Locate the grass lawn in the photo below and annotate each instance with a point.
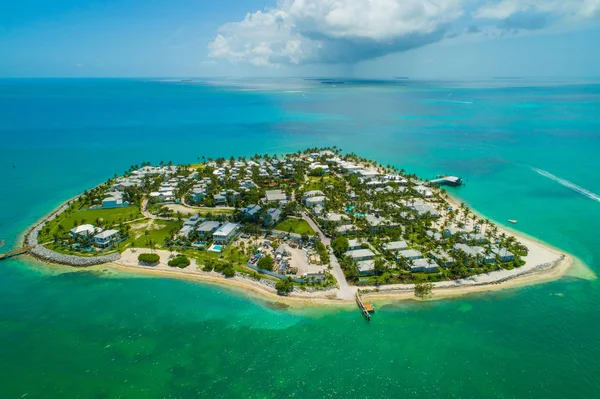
(317, 183)
(157, 232)
(70, 219)
(298, 226)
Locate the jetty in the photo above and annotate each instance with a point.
(365, 307)
(447, 181)
(14, 252)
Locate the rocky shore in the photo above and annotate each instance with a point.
(39, 251)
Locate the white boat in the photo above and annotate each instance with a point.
(513, 221)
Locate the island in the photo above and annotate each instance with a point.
(318, 225)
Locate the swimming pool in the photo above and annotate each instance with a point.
(215, 248)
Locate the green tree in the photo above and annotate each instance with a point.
(284, 286)
(423, 288)
(266, 263)
(340, 245)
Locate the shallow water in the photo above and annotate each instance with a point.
(528, 152)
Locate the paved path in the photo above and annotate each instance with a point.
(345, 290)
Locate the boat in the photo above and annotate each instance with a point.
(513, 221)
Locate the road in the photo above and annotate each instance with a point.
(346, 291)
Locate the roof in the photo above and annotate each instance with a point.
(365, 265)
(354, 243)
(395, 245)
(275, 195)
(226, 229)
(313, 193)
(106, 234)
(252, 210)
(319, 198)
(360, 253)
(84, 228)
(208, 226)
(410, 253)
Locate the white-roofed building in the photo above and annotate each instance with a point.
(106, 238)
(226, 233)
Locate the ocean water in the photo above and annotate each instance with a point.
(528, 150)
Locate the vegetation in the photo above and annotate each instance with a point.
(284, 286)
(340, 245)
(423, 288)
(297, 226)
(180, 261)
(149, 259)
(266, 263)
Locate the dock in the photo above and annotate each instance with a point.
(365, 307)
(447, 181)
(14, 252)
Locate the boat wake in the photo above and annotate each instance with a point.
(568, 184)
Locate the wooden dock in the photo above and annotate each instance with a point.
(14, 252)
(365, 307)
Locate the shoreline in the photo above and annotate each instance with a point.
(556, 264)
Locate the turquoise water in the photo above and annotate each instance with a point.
(528, 151)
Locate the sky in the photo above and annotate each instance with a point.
(278, 38)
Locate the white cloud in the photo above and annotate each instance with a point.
(348, 31)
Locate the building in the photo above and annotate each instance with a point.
(346, 229)
(276, 196)
(192, 220)
(273, 216)
(366, 267)
(395, 246)
(423, 265)
(114, 200)
(107, 238)
(423, 191)
(337, 218)
(315, 201)
(410, 254)
(360, 254)
(225, 233)
(186, 230)
(442, 257)
(354, 244)
(251, 210)
(207, 228)
(504, 254)
(85, 230)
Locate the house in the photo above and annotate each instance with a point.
(192, 220)
(504, 254)
(423, 191)
(276, 196)
(434, 235)
(395, 246)
(477, 252)
(114, 200)
(366, 267)
(106, 238)
(186, 230)
(84, 230)
(355, 244)
(423, 265)
(346, 229)
(453, 231)
(225, 233)
(207, 228)
(337, 218)
(312, 193)
(251, 210)
(410, 254)
(360, 254)
(314, 201)
(273, 216)
(442, 257)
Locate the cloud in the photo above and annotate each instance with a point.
(331, 31)
(299, 32)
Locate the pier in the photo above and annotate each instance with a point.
(365, 307)
(14, 252)
(447, 181)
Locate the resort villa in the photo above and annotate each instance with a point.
(360, 254)
(85, 230)
(106, 239)
(226, 233)
(206, 229)
(114, 200)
